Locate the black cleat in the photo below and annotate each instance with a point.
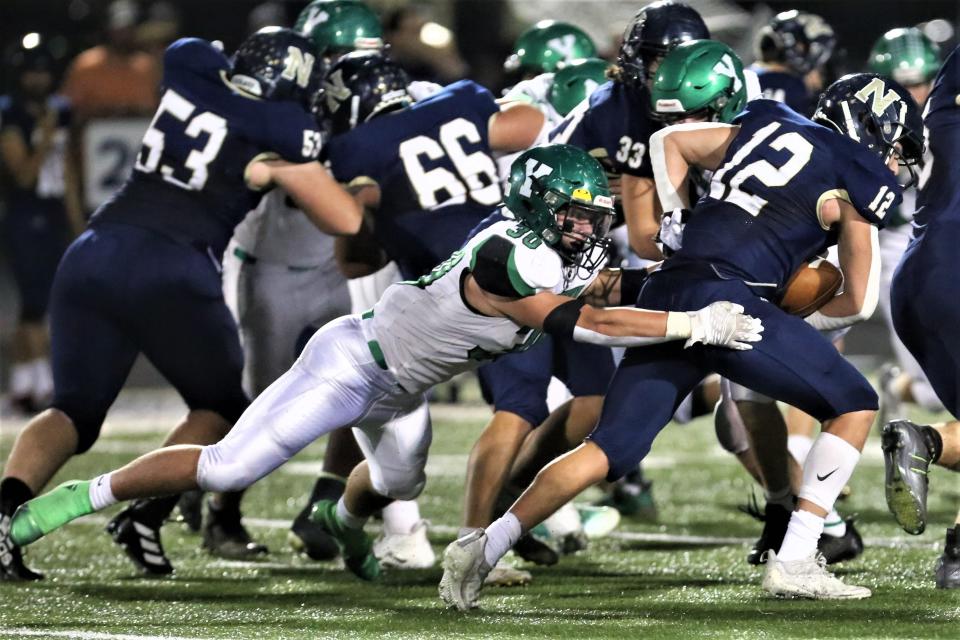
(190, 507)
(907, 455)
(775, 519)
(535, 551)
(947, 570)
(141, 542)
(841, 548)
(225, 536)
(11, 557)
(309, 537)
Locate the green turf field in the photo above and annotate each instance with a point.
(651, 580)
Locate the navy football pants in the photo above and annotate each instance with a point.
(121, 290)
(926, 309)
(793, 363)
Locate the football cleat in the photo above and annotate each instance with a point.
(464, 570)
(11, 557)
(632, 499)
(141, 542)
(503, 575)
(841, 548)
(906, 457)
(225, 536)
(598, 522)
(531, 549)
(947, 570)
(807, 578)
(307, 536)
(354, 544)
(190, 507)
(405, 550)
(775, 519)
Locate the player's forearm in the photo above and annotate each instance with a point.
(630, 327)
(328, 205)
(670, 171)
(861, 290)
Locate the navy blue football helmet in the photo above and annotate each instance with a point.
(656, 29)
(878, 113)
(801, 41)
(278, 64)
(361, 85)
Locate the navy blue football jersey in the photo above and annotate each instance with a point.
(436, 173)
(939, 198)
(760, 220)
(188, 179)
(50, 180)
(786, 88)
(612, 125)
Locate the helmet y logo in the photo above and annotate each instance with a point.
(314, 18)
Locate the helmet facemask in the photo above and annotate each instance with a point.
(579, 227)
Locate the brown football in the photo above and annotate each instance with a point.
(811, 287)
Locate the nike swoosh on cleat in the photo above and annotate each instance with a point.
(822, 478)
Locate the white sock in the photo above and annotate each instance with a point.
(799, 447)
(833, 525)
(501, 535)
(803, 532)
(401, 516)
(101, 493)
(827, 470)
(783, 497)
(42, 379)
(348, 519)
(21, 379)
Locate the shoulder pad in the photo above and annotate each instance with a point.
(512, 269)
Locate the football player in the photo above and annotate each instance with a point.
(145, 276)
(43, 210)
(510, 282)
(776, 197)
(912, 59)
(925, 315)
(792, 50)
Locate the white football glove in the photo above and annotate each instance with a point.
(670, 237)
(724, 324)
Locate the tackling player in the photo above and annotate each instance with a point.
(508, 283)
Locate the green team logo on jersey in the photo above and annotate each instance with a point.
(438, 271)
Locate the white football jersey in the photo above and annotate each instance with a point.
(428, 334)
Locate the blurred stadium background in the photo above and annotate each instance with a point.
(439, 40)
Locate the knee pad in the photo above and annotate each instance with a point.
(216, 474)
(399, 486)
(731, 432)
(86, 419)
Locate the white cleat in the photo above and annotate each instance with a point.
(464, 569)
(598, 522)
(807, 578)
(405, 551)
(503, 575)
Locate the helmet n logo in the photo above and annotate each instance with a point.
(564, 45)
(874, 93)
(298, 66)
(534, 169)
(335, 91)
(725, 67)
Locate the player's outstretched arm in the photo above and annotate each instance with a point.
(515, 127)
(859, 252)
(315, 191)
(675, 149)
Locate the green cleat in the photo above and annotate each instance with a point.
(356, 547)
(907, 455)
(49, 512)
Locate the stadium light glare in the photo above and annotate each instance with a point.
(31, 40)
(435, 35)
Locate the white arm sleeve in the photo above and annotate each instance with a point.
(827, 323)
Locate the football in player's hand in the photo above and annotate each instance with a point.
(811, 287)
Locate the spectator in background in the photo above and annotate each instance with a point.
(43, 210)
(114, 78)
(158, 30)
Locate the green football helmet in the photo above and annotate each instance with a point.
(560, 192)
(340, 26)
(546, 45)
(575, 82)
(906, 55)
(699, 78)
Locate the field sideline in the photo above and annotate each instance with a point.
(684, 577)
